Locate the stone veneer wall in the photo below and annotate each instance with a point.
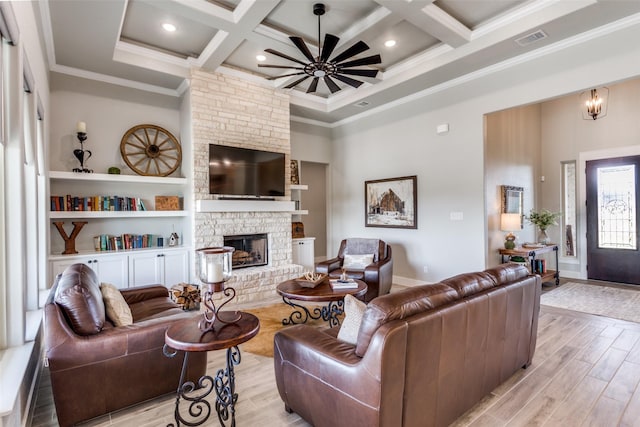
(229, 111)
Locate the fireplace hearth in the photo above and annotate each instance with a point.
(251, 250)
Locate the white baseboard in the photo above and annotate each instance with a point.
(407, 281)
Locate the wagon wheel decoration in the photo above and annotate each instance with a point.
(150, 150)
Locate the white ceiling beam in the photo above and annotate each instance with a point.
(250, 13)
(430, 19)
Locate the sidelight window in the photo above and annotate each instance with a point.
(616, 207)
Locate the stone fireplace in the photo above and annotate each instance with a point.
(230, 111)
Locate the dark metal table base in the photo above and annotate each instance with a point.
(199, 408)
(301, 314)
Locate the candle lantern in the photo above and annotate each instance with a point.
(214, 268)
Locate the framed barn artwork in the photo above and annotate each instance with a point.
(391, 202)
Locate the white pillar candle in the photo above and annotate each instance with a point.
(214, 272)
(81, 127)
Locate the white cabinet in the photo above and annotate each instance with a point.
(132, 268)
(168, 267)
(303, 252)
(109, 268)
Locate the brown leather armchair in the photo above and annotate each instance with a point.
(378, 275)
(97, 367)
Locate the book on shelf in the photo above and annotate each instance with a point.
(343, 284)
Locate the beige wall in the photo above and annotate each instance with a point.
(512, 157)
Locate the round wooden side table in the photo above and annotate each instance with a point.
(186, 336)
(291, 291)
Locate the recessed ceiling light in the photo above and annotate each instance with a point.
(390, 43)
(169, 27)
(261, 58)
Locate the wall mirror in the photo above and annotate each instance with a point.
(512, 200)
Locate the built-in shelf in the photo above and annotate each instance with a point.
(76, 176)
(300, 212)
(245, 206)
(115, 214)
(299, 187)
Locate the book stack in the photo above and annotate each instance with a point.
(96, 203)
(106, 242)
(343, 284)
(540, 266)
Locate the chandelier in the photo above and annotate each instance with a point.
(594, 103)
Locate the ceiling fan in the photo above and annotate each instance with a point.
(321, 66)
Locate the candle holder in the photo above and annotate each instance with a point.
(214, 268)
(82, 154)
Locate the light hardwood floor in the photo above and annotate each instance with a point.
(586, 372)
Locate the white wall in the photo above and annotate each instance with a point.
(402, 141)
(109, 111)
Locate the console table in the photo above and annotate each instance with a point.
(185, 335)
(531, 254)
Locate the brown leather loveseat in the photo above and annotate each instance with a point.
(423, 356)
(97, 367)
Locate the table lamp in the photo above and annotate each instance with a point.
(214, 268)
(510, 222)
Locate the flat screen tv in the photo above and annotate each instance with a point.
(245, 172)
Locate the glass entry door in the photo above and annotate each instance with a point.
(612, 219)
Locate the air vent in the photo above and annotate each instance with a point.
(531, 38)
(362, 104)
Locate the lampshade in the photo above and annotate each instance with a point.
(510, 222)
(594, 103)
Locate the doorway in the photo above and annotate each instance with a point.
(612, 201)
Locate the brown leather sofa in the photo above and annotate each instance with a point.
(423, 356)
(378, 275)
(97, 367)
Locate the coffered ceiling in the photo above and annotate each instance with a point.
(123, 42)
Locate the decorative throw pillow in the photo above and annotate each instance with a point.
(353, 312)
(117, 309)
(357, 262)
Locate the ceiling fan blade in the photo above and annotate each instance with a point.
(333, 87)
(330, 43)
(348, 80)
(314, 85)
(285, 56)
(290, 85)
(369, 60)
(284, 75)
(353, 50)
(280, 66)
(364, 73)
(300, 44)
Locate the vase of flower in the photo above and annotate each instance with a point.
(543, 220)
(543, 237)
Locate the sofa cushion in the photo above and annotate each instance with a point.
(116, 307)
(400, 305)
(353, 311)
(78, 293)
(357, 262)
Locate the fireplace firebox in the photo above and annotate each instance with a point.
(251, 250)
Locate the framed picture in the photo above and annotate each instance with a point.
(391, 202)
(512, 200)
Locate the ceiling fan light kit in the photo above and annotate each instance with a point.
(321, 67)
